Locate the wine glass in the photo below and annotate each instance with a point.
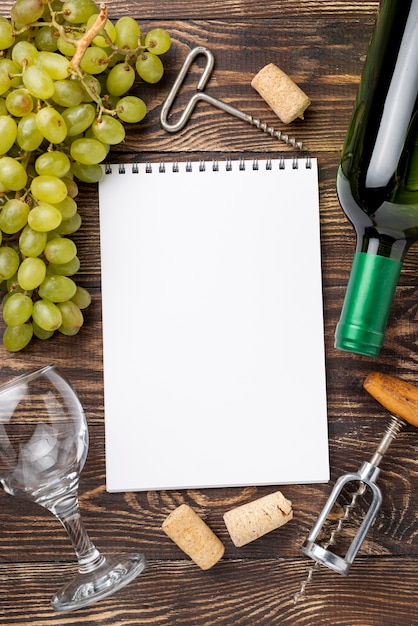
(43, 447)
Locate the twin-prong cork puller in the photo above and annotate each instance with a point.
(401, 400)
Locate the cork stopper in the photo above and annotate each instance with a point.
(193, 536)
(250, 521)
(286, 99)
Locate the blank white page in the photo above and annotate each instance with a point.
(213, 340)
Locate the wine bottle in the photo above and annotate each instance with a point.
(377, 179)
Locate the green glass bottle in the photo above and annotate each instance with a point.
(377, 181)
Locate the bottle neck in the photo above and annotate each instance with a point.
(381, 245)
(367, 303)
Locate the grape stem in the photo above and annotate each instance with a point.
(87, 38)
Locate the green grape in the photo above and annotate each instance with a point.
(158, 41)
(54, 64)
(24, 53)
(149, 67)
(44, 217)
(78, 11)
(51, 124)
(120, 79)
(12, 173)
(40, 333)
(14, 216)
(8, 133)
(32, 242)
(12, 286)
(5, 81)
(70, 226)
(7, 37)
(64, 269)
(3, 108)
(18, 309)
(108, 28)
(28, 136)
(19, 102)
(88, 151)
(72, 187)
(57, 288)
(95, 60)
(26, 11)
(53, 163)
(13, 70)
(131, 109)
(46, 39)
(48, 188)
(78, 118)
(67, 207)
(81, 298)
(108, 130)
(65, 47)
(72, 317)
(31, 273)
(128, 33)
(91, 85)
(60, 250)
(87, 173)
(38, 82)
(9, 262)
(46, 315)
(68, 93)
(69, 332)
(15, 338)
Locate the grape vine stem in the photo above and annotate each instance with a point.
(87, 38)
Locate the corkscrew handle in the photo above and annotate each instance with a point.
(397, 396)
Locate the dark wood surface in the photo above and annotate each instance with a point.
(322, 45)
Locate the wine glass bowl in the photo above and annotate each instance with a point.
(43, 436)
(43, 448)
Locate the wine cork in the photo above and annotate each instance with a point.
(193, 536)
(253, 520)
(286, 99)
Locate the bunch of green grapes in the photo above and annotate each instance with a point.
(66, 74)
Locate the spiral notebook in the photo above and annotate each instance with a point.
(213, 341)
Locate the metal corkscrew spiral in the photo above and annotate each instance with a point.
(278, 134)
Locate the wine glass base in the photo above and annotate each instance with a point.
(85, 589)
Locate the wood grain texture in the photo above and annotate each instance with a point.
(322, 44)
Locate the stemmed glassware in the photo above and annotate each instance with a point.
(43, 447)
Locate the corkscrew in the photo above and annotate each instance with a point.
(201, 95)
(401, 400)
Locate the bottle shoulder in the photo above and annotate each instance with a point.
(382, 226)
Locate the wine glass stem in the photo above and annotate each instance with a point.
(68, 513)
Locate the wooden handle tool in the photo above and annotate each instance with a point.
(397, 396)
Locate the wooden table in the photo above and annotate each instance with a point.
(322, 45)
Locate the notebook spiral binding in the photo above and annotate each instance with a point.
(202, 165)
